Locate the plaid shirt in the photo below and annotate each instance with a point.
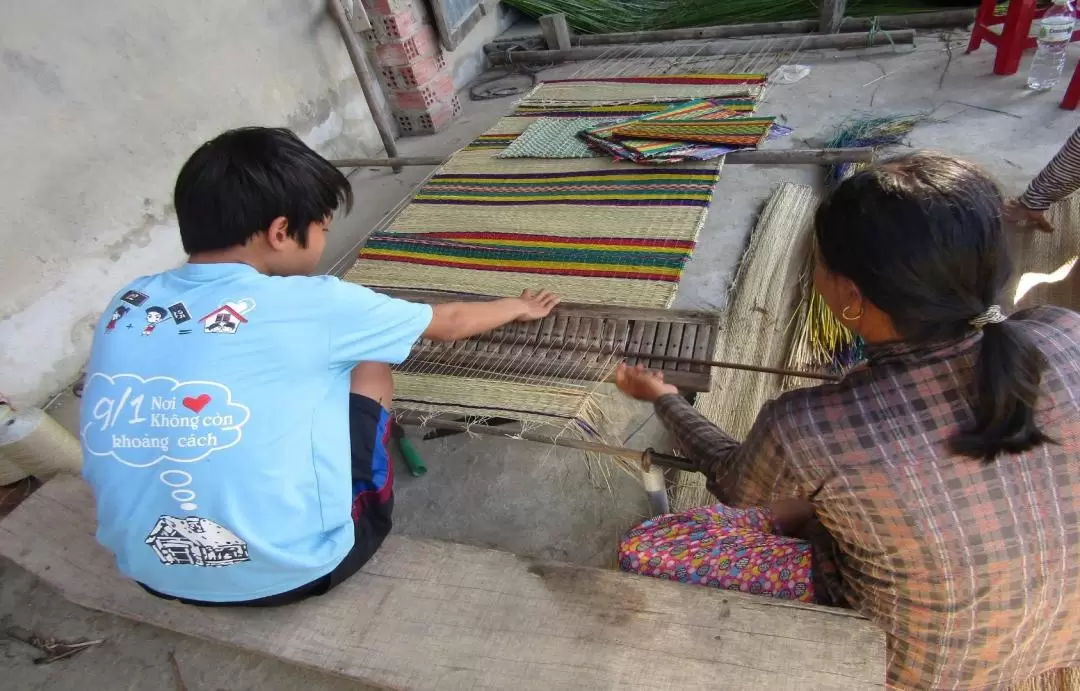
(972, 569)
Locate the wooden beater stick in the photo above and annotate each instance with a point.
(732, 365)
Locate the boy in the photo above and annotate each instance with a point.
(238, 454)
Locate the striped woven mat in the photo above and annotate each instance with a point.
(591, 229)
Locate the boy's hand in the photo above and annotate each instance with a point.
(537, 306)
(642, 384)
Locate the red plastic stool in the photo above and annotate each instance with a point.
(1072, 95)
(1014, 38)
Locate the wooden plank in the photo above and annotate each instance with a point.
(648, 337)
(431, 615)
(689, 342)
(663, 329)
(556, 31)
(637, 335)
(675, 339)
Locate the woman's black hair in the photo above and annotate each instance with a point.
(923, 238)
(237, 183)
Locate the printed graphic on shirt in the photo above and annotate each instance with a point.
(142, 422)
(195, 541)
(117, 315)
(134, 297)
(179, 313)
(227, 318)
(154, 316)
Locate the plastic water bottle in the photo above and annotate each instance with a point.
(1055, 32)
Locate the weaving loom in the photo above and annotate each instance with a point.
(591, 230)
(579, 343)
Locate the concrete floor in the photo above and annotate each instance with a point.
(537, 501)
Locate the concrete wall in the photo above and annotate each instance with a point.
(103, 101)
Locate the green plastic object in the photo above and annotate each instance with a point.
(408, 452)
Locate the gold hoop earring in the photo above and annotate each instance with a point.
(847, 317)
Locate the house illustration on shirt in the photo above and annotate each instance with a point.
(195, 541)
(223, 320)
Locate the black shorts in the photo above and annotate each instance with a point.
(373, 504)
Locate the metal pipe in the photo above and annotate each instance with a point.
(864, 154)
(367, 80)
(717, 47)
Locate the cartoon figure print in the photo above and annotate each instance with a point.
(117, 315)
(154, 316)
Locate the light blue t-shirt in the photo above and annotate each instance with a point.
(215, 425)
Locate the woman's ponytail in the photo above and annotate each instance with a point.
(1008, 374)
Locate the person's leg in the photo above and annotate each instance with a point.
(371, 395)
(721, 547)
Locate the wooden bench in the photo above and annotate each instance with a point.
(435, 615)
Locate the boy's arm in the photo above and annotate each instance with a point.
(453, 321)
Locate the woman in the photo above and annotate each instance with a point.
(942, 472)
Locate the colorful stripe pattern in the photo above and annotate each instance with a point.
(732, 131)
(614, 187)
(602, 257)
(628, 110)
(604, 138)
(692, 79)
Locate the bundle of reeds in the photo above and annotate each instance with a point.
(820, 339)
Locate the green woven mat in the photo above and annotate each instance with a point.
(552, 138)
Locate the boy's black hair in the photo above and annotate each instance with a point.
(237, 183)
(159, 311)
(923, 237)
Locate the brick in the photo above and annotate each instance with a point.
(394, 27)
(384, 8)
(439, 89)
(413, 75)
(429, 120)
(401, 53)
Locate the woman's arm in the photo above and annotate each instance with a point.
(1059, 179)
(751, 473)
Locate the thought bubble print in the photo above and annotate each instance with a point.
(142, 422)
(180, 479)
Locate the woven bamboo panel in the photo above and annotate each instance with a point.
(576, 343)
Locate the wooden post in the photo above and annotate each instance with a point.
(556, 31)
(832, 16)
(779, 44)
(367, 79)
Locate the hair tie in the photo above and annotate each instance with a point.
(992, 315)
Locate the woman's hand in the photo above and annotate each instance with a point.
(1022, 216)
(642, 384)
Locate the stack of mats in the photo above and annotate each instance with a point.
(593, 230)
